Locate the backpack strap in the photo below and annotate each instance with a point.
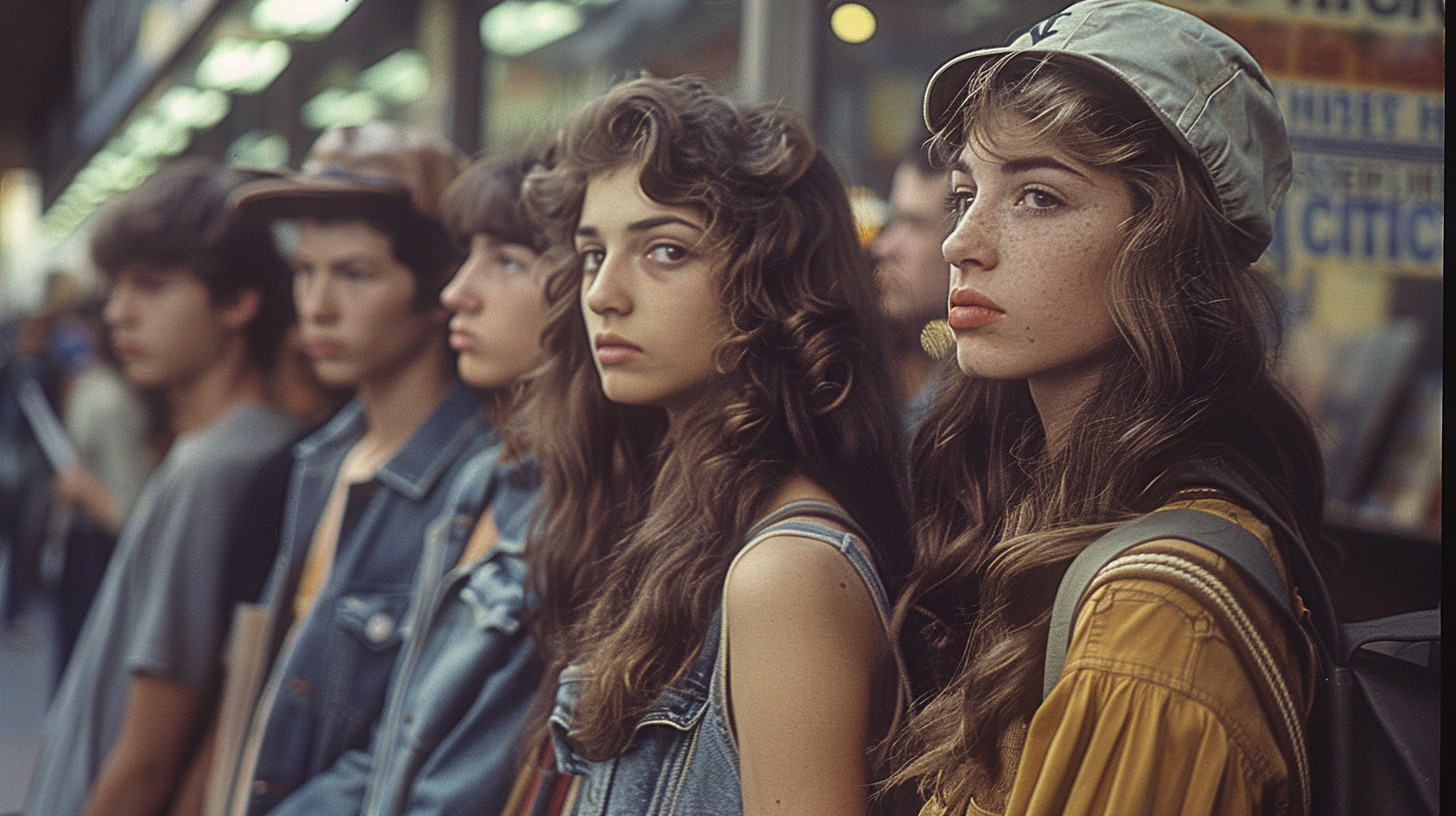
(1233, 542)
(1303, 571)
(1207, 530)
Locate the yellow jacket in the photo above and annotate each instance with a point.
(1159, 710)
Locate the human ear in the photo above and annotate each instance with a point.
(241, 311)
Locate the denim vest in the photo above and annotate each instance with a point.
(327, 688)
(683, 758)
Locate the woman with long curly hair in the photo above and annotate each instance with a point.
(1114, 174)
(719, 443)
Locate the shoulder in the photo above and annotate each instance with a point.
(1174, 616)
(1145, 748)
(790, 564)
(221, 460)
(793, 581)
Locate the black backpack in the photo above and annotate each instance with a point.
(1375, 730)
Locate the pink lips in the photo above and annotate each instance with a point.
(323, 349)
(460, 339)
(126, 351)
(613, 349)
(970, 309)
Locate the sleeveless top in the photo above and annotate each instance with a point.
(683, 758)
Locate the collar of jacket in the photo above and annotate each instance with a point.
(457, 421)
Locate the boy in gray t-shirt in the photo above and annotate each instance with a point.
(198, 306)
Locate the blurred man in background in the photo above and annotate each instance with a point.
(914, 277)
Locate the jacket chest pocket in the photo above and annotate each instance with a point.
(649, 777)
(372, 622)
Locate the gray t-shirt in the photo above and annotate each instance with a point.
(158, 609)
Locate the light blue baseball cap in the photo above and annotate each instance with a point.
(1205, 89)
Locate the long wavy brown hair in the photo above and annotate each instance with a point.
(1000, 514)
(641, 523)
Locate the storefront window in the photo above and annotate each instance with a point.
(544, 59)
(869, 105)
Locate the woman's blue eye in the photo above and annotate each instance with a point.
(591, 260)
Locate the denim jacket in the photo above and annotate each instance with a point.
(328, 686)
(683, 758)
(465, 673)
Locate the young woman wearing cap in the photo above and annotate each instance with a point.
(1113, 177)
(720, 463)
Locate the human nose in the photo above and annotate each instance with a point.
(118, 307)
(314, 297)
(888, 241)
(607, 289)
(973, 240)
(462, 293)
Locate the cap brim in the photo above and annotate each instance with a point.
(291, 197)
(948, 83)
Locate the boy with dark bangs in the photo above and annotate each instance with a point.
(198, 313)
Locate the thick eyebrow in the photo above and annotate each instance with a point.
(357, 259)
(588, 231)
(1039, 163)
(1014, 166)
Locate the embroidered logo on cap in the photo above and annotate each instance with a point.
(1044, 29)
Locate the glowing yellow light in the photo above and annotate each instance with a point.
(852, 23)
(938, 339)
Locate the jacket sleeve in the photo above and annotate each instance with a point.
(338, 791)
(1113, 745)
(1154, 714)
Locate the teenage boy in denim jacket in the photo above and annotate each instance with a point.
(361, 227)
(446, 741)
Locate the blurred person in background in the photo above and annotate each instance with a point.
(914, 277)
(197, 310)
(361, 227)
(256, 534)
(25, 488)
